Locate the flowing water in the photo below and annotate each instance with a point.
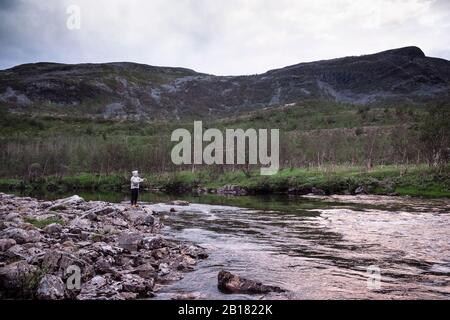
(340, 247)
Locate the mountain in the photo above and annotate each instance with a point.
(137, 91)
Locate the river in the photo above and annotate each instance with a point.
(339, 247)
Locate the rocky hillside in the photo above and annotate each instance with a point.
(136, 91)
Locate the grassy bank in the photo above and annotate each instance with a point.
(395, 180)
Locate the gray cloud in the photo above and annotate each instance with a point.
(220, 37)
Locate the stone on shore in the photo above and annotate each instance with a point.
(230, 283)
(5, 244)
(53, 228)
(50, 288)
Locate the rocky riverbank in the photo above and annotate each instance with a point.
(77, 249)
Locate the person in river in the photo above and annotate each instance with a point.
(135, 180)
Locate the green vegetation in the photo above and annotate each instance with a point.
(413, 180)
(329, 146)
(42, 223)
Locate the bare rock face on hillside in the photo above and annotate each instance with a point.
(97, 250)
(136, 91)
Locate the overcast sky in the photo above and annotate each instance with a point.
(217, 36)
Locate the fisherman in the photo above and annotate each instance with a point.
(135, 180)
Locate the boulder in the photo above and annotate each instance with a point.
(137, 284)
(230, 283)
(185, 263)
(16, 279)
(160, 253)
(5, 244)
(12, 216)
(145, 271)
(90, 216)
(23, 236)
(57, 261)
(130, 240)
(104, 264)
(152, 243)
(54, 228)
(16, 251)
(145, 220)
(80, 224)
(149, 220)
(163, 269)
(70, 201)
(194, 252)
(119, 222)
(98, 288)
(50, 288)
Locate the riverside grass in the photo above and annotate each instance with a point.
(417, 180)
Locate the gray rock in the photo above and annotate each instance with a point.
(146, 271)
(12, 216)
(57, 261)
(185, 263)
(23, 236)
(96, 288)
(130, 240)
(104, 264)
(50, 288)
(106, 249)
(152, 243)
(145, 219)
(119, 222)
(54, 228)
(136, 284)
(91, 216)
(80, 224)
(149, 220)
(160, 253)
(16, 251)
(163, 269)
(70, 201)
(194, 252)
(5, 244)
(230, 283)
(14, 279)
